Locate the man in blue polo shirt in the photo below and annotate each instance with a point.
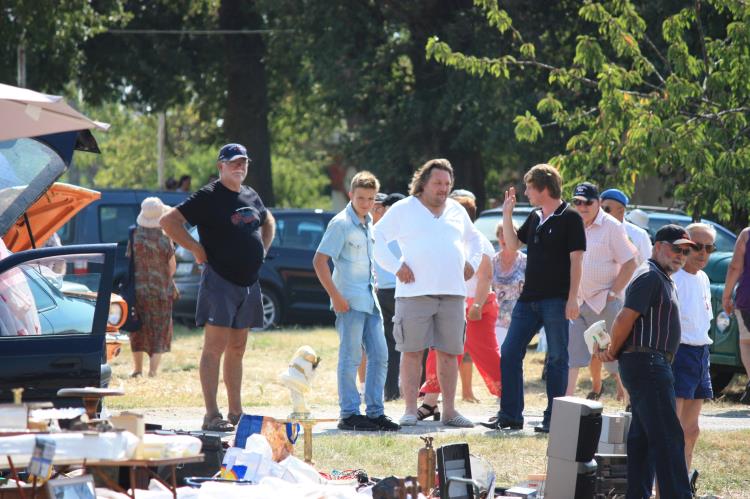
(645, 336)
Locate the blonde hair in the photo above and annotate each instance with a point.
(364, 180)
(545, 176)
(422, 175)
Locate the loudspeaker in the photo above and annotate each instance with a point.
(575, 429)
(570, 479)
(454, 461)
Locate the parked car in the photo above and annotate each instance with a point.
(108, 219)
(53, 324)
(290, 289)
(725, 355)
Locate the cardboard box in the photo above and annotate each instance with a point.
(613, 428)
(129, 421)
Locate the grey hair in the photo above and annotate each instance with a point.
(698, 226)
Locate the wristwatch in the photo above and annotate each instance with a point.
(612, 294)
(476, 305)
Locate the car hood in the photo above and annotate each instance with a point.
(50, 212)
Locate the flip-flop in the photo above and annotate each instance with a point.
(217, 423)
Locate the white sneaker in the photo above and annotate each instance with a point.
(408, 420)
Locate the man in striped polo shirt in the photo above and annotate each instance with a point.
(645, 337)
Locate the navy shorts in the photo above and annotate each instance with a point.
(225, 304)
(692, 379)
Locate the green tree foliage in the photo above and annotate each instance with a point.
(634, 105)
(51, 32)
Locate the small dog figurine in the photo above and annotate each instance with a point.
(297, 379)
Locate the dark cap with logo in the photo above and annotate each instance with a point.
(232, 151)
(380, 197)
(393, 198)
(673, 233)
(586, 191)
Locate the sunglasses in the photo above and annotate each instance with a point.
(677, 249)
(710, 248)
(578, 202)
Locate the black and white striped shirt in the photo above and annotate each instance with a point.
(654, 295)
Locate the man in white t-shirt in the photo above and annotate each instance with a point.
(614, 202)
(692, 381)
(431, 231)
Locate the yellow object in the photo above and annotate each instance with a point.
(17, 395)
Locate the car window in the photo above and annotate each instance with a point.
(115, 220)
(487, 224)
(27, 169)
(36, 300)
(725, 239)
(299, 232)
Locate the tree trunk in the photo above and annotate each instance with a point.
(246, 116)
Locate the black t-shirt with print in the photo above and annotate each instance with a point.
(549, 247)
(229, 229)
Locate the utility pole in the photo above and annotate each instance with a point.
(160, 149)
(21, 62)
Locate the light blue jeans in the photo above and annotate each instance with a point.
(357, 330)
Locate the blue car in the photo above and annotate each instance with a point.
(53, 316)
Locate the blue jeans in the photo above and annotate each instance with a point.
(356, 330)
(525, 322)
(655, 440)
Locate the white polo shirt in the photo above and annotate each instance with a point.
(640, 239)
(433, 247)
(694, 297)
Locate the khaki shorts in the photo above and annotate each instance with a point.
(436, 321)
(578, 352)
(743, 321)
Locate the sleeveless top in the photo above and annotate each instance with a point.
(742, 298)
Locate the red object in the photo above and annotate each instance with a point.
(481, 344)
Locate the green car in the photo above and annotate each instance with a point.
(725, 351)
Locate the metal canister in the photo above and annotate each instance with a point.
(426, 462)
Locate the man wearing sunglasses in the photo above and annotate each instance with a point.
(692, 381)
(608, 265)
(614, 202)
(645, 337)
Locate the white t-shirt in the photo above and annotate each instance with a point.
(640, 239)
(694, 296)
(433, 247)
(489, 250)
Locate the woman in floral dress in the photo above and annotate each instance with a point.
(508, 271)
(154, 288)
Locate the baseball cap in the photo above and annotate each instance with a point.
(615, 195)
(586, 191)
(380, 197)
(672, 233)
(232, 151)
(393, 198)
(462, 193)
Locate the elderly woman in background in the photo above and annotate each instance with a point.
(508, 271)
(153, 254)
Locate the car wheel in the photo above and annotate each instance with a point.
(720, 379)
(271, 308)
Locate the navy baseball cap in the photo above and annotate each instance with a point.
(380, 197)
(586, 191)
(393, 198)
(615, 195)
(673, 233)
(232, 151)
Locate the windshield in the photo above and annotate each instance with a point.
(27, 169)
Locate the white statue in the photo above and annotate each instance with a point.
(297, 379)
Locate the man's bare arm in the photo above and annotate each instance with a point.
(173, 224)
(509, 233)
(268, 231)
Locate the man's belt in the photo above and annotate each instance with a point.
(638, 348)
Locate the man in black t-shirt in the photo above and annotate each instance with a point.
(556, 241)
(645, 336)
(235, 231)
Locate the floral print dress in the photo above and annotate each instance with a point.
(154, 291)
(507, 287)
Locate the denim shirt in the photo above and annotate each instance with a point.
(350, 244)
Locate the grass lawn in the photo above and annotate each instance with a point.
(722, 456)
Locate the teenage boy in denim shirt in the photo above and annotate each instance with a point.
(348, 240)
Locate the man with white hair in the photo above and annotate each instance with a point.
(692, 380)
